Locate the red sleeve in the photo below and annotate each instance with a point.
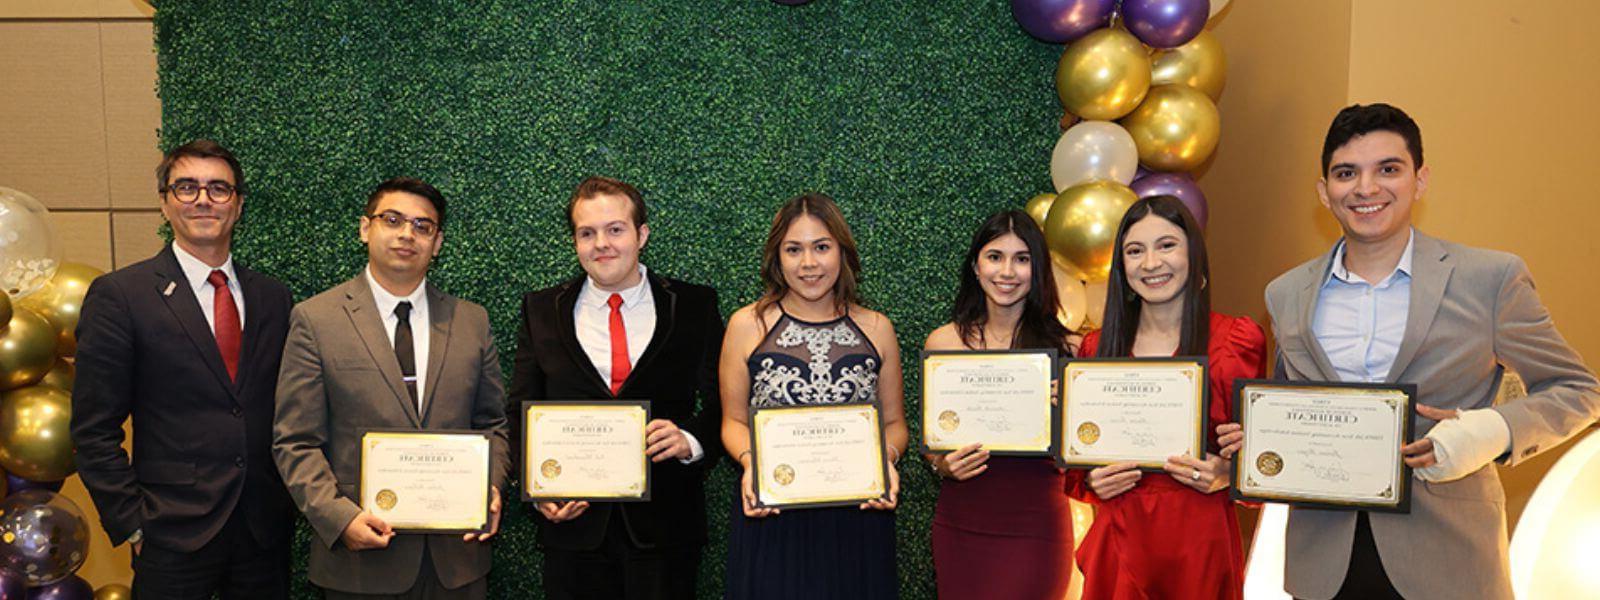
(1091, 343)
(1238, 351)
(1077, 480)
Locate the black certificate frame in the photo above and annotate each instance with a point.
(882, 444)
(1053, 373)
(488, 467)
(1202, 404)
(1402, 504)
(524, 470)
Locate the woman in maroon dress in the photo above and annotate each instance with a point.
(1172, 534)
(1002, 528)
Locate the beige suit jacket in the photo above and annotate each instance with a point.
(340, 379)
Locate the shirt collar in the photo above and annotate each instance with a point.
(593, 296)
(196, 271)
(387, 301)
(1338, 271)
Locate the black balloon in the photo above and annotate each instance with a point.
(12, 586)
(71, 588)
(43, 537)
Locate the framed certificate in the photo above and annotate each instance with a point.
(1326, 445)
(817, 455)
(999, 398)
(433, 481)
(1140, 410)
(585, 451)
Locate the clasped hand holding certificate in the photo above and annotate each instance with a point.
(368, 532)
(663, 440)
(748, 492)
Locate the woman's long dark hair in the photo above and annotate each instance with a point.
(823, 208)
(1039, 326)
(1121, 322)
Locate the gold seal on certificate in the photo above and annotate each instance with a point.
(817, 455)
(585, 451)
(999, 398)
(426, 481)
(1139, 410)
(1328, 445)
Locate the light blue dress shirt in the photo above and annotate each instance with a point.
(1359, 324)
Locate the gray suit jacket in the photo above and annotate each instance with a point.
(339, 379)
(1473, 313)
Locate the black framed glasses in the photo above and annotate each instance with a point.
(391, 220)
(188, 190)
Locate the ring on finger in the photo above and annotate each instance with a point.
(1195, 475)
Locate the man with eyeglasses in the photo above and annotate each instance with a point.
(386, 350)
(188, 344)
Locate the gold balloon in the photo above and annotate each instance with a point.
(1097, 302)
(60, 301)
(1176, 128)
(113, 591)
(35, 437)
(1103, 75)
(60, 376)
(1199, 64)
(27, 349)
(1039, 206)
(1082, 225)
(5, 308)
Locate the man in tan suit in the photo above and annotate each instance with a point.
(386, 350)
(1389, 304)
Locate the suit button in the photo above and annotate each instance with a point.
(237, 412)
(238, 461)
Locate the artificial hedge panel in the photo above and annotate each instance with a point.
(919, 116)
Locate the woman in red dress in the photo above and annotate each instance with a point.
(1002, 528)
(1172, 534)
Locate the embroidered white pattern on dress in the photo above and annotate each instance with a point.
(778, 385)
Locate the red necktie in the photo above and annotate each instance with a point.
(225, 321)
(619, 345)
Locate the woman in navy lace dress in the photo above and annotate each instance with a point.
(809, 341)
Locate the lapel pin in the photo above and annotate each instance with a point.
(170, 286)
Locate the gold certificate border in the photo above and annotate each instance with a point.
(1397, 400)
(1196, 368)
(371, 439)
(530, 475)
(934, 362)
(870, 411)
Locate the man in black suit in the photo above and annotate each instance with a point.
(620, 332)
(188, 343)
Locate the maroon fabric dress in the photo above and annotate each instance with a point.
(1162, 539)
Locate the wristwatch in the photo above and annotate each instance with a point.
(136, 537)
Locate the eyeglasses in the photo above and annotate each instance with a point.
(393, 221)
(188, 190)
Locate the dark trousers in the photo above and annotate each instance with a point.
(427, 587)
(232, 566)
(620, 570)
(1366, 579)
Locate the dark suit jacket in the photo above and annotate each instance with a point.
(679, 364)
(340, 379)
(201, 442)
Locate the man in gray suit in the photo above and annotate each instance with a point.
(1390, 304)
(350, 366)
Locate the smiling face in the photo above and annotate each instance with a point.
(203, 223)
(1005, 270)
(397, 254)
(1370, 186)
(607, 240)
(1155, 256)
(809, 257)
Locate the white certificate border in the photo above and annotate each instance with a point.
(442, 526)
(528, 407)
(872, 409)
(955, 356)
(1067, 457)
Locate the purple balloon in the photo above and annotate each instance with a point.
(1061, 21)
(71, 588)
(16, 484)
(1165, 23)
(1179, 185)
(12, 586)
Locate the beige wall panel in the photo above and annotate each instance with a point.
(135, 236)
(85, 237)
(133, 113)
(76, 9)
(53, 113)
(1287, 71)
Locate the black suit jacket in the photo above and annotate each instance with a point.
(679, 364)
(201, 442)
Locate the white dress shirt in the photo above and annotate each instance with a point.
(1360, 324)
(195, 273)
(420, 325)
(591, 318)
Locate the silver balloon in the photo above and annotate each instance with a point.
(1093, 151)
(43, 536)
(29, 252)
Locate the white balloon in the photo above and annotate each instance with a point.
(1074, 300)
(1094, 151)
(29, 253)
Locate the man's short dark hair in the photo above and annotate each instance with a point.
(409, 185)
(597, 185)
(1361, 119)
(200, 148)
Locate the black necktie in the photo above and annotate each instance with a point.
(403, 349)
